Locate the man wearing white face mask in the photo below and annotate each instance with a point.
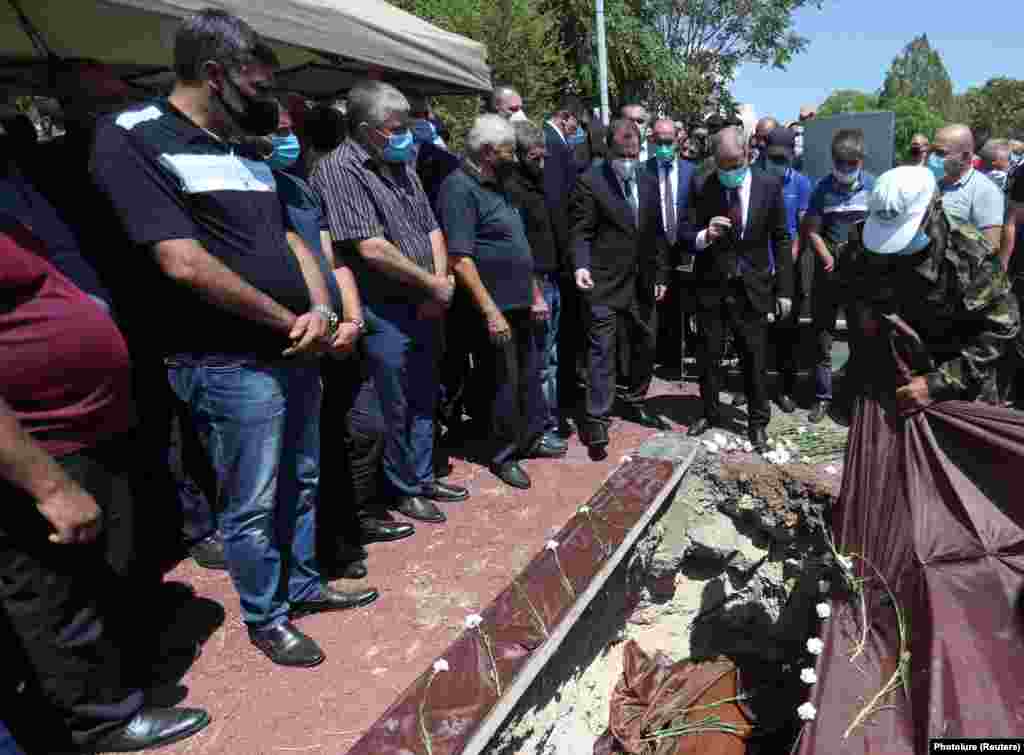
(620, 256)
(840, 200)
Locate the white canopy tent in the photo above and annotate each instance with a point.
(323, 45)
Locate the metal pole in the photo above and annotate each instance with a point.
(602, 61)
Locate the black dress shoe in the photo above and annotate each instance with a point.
(445, 493)
(699, 427)
(353, 570)
(786, 404)
(381, 531)
(759, 439)
(594, 434)
(640, 416)
(511, 473)
(209, 553)
(334, 600)
(443, 469)
(421, 509)
(739, 400)
(285, 645)
(818, 411)
(152, 727)
(543, 449)
(555, 440)
(566, 427)
(346, 552)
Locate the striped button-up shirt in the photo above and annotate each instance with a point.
(366, 200)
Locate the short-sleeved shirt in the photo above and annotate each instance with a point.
(170, 179)
(974, 199)
(796, 193)
(367, 200)
(840, 207)
(65, 370)
(480, 222)
(305, 215)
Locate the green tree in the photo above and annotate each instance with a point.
(920, 73)
(996, 109)
(523, 50)
(913, 116)
(848, 101)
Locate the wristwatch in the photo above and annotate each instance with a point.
(328, 314)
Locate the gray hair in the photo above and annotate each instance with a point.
(501, 92)
(489, 130)
(730, 141)
(373, 102)
(528, 135)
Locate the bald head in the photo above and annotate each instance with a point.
(955, 137)
(955, 144)
(996, 155)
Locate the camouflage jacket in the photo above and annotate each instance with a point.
(957, 297)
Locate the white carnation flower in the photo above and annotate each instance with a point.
(846, 562)
(824, 610)
(474, 620)
(441, 665)
(748, 446)
(711, 446)
(815, 646)
(551, 545)
(807, 676)
(831, 469)
(807, 712)
(801, 430)
(583, 510)
(806, 460)
(720, 439)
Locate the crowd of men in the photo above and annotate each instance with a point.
(241, 310)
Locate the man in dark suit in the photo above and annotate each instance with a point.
(674, 177)
(739, 215)
(621, 260)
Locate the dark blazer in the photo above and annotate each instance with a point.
(433, 165)
(684, 194)
(766, 226)
(559, 178)
(527, 194)
(626, 260)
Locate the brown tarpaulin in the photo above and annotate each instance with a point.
(935, 501)
(653, 694)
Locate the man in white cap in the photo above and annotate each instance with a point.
(943, 280)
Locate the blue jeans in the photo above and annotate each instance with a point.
(404, 358)
(547, 337)
(260, 422)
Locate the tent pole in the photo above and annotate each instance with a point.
(602, 61)
(35, 37)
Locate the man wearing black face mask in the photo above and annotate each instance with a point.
(248, 312)
(620, 255)
(918, 150)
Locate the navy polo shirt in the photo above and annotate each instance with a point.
(169, 179)
(304, 213)
(479, 222)
(840, 207)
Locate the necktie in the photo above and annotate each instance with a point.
(627, 186)
(736, 216)
(668, 201)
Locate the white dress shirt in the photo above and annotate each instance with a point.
(702, 237)
(672, 169)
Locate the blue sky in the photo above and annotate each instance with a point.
(853, 42)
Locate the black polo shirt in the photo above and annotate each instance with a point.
(479, 222)
(169, 179)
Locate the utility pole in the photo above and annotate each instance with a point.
(602, 62)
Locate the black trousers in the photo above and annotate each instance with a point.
(61, 637)
(748, 326)
(511, 392)
(352, 445)
(620, 344)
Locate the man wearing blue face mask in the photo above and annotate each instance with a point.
(967, 195)
(840, 200)
(742, 215)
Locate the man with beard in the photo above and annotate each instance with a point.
(248, 314)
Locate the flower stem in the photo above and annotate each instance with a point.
(533, 611)
(424, 734)
(494, 661)
(565, 580)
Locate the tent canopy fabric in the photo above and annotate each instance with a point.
(324, 45)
